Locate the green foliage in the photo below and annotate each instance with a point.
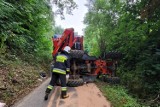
(26, 28)
(118, 96)
(133, 29)
(100, 23)
(5, 20)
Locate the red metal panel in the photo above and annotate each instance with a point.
(66, 39)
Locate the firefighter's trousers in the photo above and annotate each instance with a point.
(55, 77)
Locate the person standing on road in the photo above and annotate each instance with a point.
(61, 68)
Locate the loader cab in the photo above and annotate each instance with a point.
(78, 45)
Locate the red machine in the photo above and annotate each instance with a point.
(67, 39)
(84, 68)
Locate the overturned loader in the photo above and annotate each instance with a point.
(85, 68)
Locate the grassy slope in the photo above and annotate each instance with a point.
(17, 78)
(117, 95)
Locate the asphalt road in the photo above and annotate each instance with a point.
(36, 98)
(82, 96)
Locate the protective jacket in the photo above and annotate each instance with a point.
(62, 63)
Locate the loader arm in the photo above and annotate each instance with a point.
(67, 39)
(83, 67)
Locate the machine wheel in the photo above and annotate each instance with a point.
(112, 80)
(77, 53)
(101, 77)
(75, 82)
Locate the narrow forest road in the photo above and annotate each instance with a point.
(87, 95)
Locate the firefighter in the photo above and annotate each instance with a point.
(61, 68)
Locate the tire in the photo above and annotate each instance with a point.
(75, 82)
(77, 53)
(101, 77)
(112, 80)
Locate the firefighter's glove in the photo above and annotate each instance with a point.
(67, 77)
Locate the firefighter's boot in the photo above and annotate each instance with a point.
(64, 95)
(47, 94)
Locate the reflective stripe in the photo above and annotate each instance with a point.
(64, 56)
(50, 87)
(64, 88)
(61, 58)
(68, 69)
(59, 71)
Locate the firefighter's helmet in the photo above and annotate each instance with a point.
(67, 49)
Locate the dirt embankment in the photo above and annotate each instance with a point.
(17, 79)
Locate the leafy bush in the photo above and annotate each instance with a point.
(118, 96)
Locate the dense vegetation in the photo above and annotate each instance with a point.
(133, 28)
(26, 30)
(27, 26)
